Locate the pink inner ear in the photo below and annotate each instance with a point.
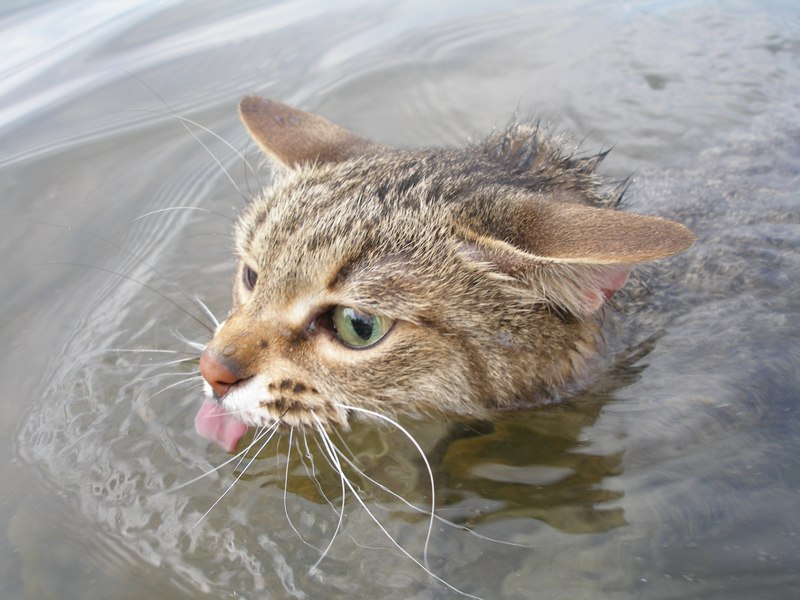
(619, 276)
(611, 280)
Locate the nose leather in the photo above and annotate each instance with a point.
(220, 373)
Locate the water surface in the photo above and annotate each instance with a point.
(675, 475)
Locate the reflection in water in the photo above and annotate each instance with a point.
(533, 466)
(526, 465)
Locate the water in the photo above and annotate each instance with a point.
(676, 475)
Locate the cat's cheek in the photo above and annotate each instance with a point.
(332, 352)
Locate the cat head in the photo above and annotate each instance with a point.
(456, 281)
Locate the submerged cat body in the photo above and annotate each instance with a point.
(396, 281)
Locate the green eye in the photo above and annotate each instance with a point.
(359, 330)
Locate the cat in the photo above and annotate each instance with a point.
(384, 281)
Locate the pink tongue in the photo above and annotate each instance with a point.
(214, 424)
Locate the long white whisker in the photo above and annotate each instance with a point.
(360, 545)
(184, 120)
(146, 286)
(399, 547)
(235, 481)
(207, 310)
(196, 345)
(238, 455)
(286, 493)
(130, 253)
(169, 363)
(221, 139)
(324, 454)
(312, 473)
(423, 511)
(143, 350)
(345, 444)
(332, 450)
(424, 459)
(210, 153)
(257, 435)
(233, 413)
(169, 208)
(176, 384)
(205, 147)
(160, 375)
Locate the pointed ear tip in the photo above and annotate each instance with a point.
(252, 104)
(679, 240)
(684, 238)
(675, 237)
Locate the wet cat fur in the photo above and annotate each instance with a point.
(494, 261)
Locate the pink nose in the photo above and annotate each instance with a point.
(218, 375)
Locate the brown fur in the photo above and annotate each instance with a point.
(494, 262)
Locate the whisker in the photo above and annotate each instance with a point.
(169, 208)
(183, 121)
(160, 375)
(172, 385)
(224, 141)
(168, 363)
(331, 449)
(238, 455)
(113, 244)
(286, 493)
(345, 444)
(229, 413)
(199, 125)
(196, 345)
(324, 454)
(207, 310)
(277, 455)
(153, 350)
(360, 545)
(255, 173)
(405, 552)
(313, 473)
(235, 481)
(256, 436)
(133, 279)
(424, 459)
(214, 158)
(192, 357)
(189, 236)
(423, 511)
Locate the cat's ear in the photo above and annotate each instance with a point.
(573, 256)
(294, 137)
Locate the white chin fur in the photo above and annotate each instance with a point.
(247, 402)
(253, 404)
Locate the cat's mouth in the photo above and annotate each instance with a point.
(252, 403)
(215, 424)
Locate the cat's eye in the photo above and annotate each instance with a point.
(249, 277)
(359, 330)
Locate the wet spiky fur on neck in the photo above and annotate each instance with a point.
(493, 261)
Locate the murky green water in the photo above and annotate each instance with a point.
(675, 476)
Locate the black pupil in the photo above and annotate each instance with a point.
(362, 325)
(250, 278)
